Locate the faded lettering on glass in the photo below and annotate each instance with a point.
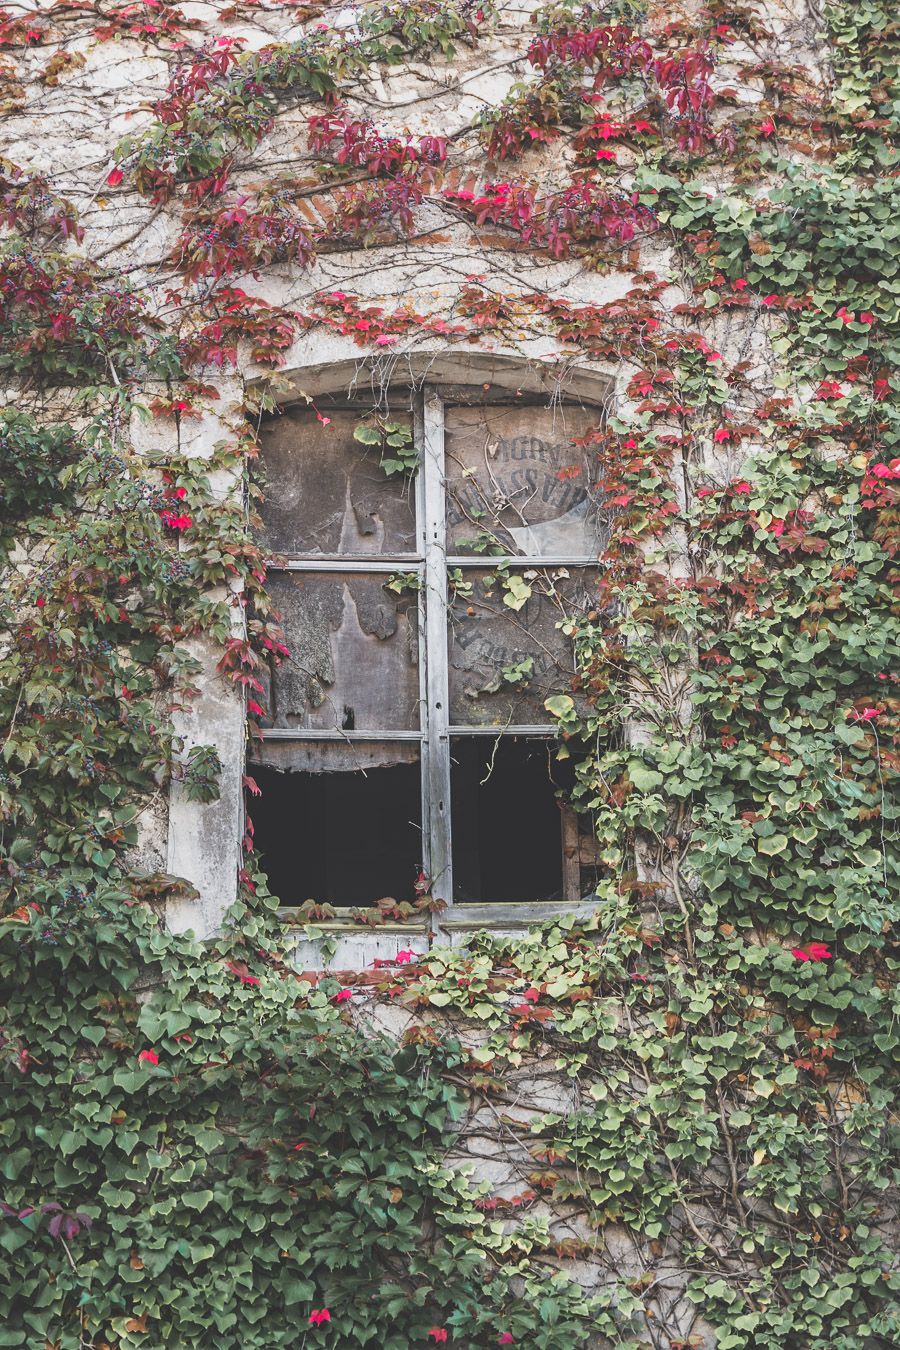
(507, 648)
(517, 484)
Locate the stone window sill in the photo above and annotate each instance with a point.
(356, 948)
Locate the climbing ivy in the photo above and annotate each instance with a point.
(258, 1156)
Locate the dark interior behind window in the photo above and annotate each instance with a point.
(507, 823)
(339, 838)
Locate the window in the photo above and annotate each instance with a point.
(428, 615)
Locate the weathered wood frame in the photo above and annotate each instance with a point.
(431, 563)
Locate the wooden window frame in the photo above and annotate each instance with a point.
(431, 563)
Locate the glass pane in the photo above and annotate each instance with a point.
(517, 485)
(353, 653)
(325, 493)
(505, 661)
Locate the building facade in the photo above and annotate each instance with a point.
(504, 399)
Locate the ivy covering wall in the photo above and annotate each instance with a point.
(200, 1147)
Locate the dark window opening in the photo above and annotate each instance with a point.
(507, 820)
(339, 838)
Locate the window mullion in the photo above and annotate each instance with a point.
(436, 747)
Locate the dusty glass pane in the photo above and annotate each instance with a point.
(516, 484)
(325, 493)
(353, 653)
(505, 661)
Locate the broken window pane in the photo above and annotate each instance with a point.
(339, 838)
(353, 653)
(505, 660)
(516, 484)
(507, 820)
(325, 493)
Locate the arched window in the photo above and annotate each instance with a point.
(429, 565)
